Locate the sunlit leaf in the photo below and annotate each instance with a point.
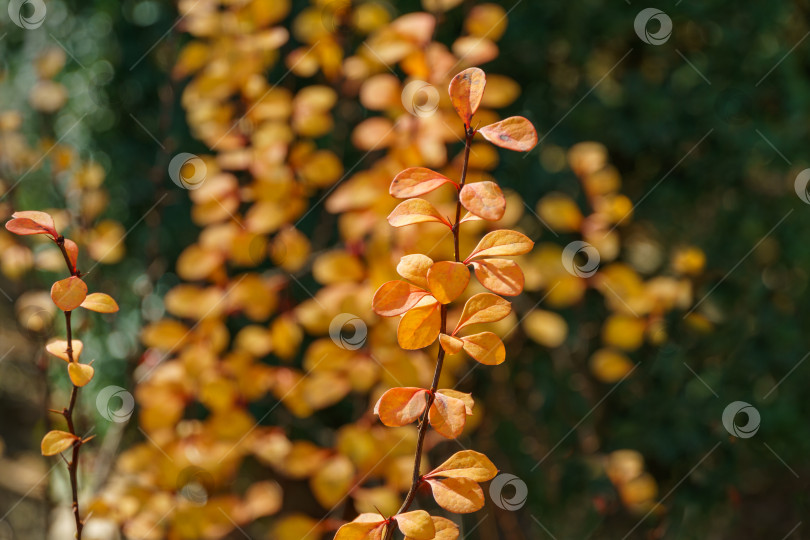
(100, 302)
(56, 442)
(485, 347)
(469, 403)
(484, 199)
(445, 529)
(69, 293)
(483, 308)
(58, 348)
(501, 276)
(501, 243)
(514, 133)
(457, 495)
(415, 211)
(451, 344)
(396, 297)
(447, 280)
(31, 222)
(466, 464)
(333, 481)
(80, 374)
(546, 327)
(419, 327)
(415, 268)
(401, 406)
(448, 415)
(466, 91)
(73, 253)
(416, 524)
(417, 181)
(358, 530)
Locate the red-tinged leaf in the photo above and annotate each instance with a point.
(419, 327)
(58, 348)
(415, 211)
(483, 308)
(396, 297)
(515, 133)
(447, 280)
(417, 181)
(100, 303)
(501, 243)
(445, 529)
(69, 293)
(401, 406)
(73, 253)
(484, 199)
(56, 442)
(451, 344)
(466, 91)
(448, 415)
(415, 268)
(80, 374)
(31, 222)
(416, 524)
(501, 276)
(468, 464)
(486, 348)
(457, 495)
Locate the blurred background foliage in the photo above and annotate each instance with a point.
(707, 132)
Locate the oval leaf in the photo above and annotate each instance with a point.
(500, 276)
(416, 525)
(445, 529)
(419, 327)
(73, 253)
(56, 442)
(415, 268)
(100, 302)
(514, 133)
(448, 415)
(503, 242)
(485, 347)
(415, 211)
(31, 222)
(484, 199)
(58, 348)
(469, 403)
(447, 280)
(483, 308)
(396, 297)
(69, 293)
(360, 531)
(466, 464)
(417, 181)
(401, 406)
(457, 495)
(450, 344)
(466, 91)
(80, 374)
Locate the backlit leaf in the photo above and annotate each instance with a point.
(401, 406)
(448, 415)
(445, 529)
(484, 199)
(469, 403)
(415, 211)
(58, 348)
(485, 347)
(419, 327)
(80, 374)
(415, 268)
(56, 442)
(73, 253)
(396, 297)
(514, 133)
(457, 495)
(501, 276)
(447, 280)
(69, 293)
(360, 531)
(416, 525)
(466, 91)
(100, 303)
(416, 181)
(31, 222)
(466, 464)
(451, 344)
(501, 243)
(483, 308)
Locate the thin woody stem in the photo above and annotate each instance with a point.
(417, 480)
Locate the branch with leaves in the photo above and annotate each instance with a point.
(422, 303)
(68, 294)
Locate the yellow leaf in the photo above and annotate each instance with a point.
(515, 133)
(546, 328)
(416, 181)
(625, 332)
(360, 531)
(401, 406)
(69, 293)
(469, 403)
(484, 199)
(501, 243)
(56, 442)
(445, 529)
(419, 327)
(560, 212)
(466, 91)
(396, 297)
(500, 276)
(486, 20)
(415, 211)
(337, 266)
(80, 374)
(457, 495)
(483, 308)
(100, 303)
(466, 464)
(451, 344)
(610, 366)
(58, 348)
(333, 481)
(485, 347)
(415, 268)
(447, 280)
(416, 524)
(448, 415)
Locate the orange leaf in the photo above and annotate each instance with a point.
(58, 348)
(31, 222)
(56, 442)
(80, 374)
(396, 297)
(401, 406)
(445, 529)
(484, 199)
(448, 415)
(447, 280)
(466, 91)
(360, 531)
(415, 268)
(457, 495)
(469, 403)
(73, 253)
(466, 464)
(69, 293)
(469, 216)
(100, 302)
(485, 347)
(515, 133)
(501, 243)
(450, 344)
(416, 525)
(417, 181)
(415, 211)
(500, 276)
(419, 327)
(483, 308)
